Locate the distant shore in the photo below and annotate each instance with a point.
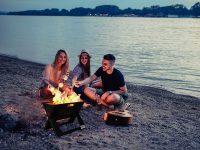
(172, 11)
(162, 119)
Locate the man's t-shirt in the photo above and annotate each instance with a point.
(111, 82)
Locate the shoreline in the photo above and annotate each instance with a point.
(124, 16)
(162, 119)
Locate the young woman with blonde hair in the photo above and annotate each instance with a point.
(55, 73)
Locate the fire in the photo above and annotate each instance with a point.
(62, 97)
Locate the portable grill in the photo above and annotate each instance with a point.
(56, 112)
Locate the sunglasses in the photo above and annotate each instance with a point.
(105, 64)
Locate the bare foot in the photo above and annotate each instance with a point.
(98, 99)
(85, 105)
(111, 107)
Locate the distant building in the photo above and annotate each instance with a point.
(172, 16)
(104, 15)
(129, 15)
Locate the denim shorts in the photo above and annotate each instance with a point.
(122, 99)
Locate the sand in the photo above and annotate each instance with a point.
(162, 119)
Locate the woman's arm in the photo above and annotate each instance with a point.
(47, 73)
(76, 74)
(74, 79)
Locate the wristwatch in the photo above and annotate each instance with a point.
(110, 92)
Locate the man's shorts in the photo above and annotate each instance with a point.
(122, 99)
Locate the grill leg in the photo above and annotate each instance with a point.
(47, 124)
(72, 119)
(52, 123)
(80, 120)
(55, 127)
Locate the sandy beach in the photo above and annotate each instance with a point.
(162, 119)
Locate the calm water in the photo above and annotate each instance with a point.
(160, 52)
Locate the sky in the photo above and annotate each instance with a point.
(20, 5)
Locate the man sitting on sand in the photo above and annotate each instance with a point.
(114, 90)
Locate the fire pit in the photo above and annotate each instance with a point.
(68, 111)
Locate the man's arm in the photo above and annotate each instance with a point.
(122, 90)
(86, 81)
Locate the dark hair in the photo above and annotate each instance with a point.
(110, 57)
(87, 66)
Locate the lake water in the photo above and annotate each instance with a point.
(159, 52)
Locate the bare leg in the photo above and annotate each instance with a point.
(91, 93)
(105, 100)
(111, 100)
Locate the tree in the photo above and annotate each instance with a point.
(130, 11)
(195, 9)
(107, 9)
(64, 12)
(80, 11)
(177, 9)
(180, 10)
(112, 10)
(3, 13)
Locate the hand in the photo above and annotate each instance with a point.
(70, 91)
(60, 85)
(78, 83)
(65, 77)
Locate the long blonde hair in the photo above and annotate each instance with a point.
(65, 66)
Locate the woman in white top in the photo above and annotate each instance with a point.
(55, 73)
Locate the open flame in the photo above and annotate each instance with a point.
(62, 97)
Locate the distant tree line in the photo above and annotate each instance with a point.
(112, 10)
(2, 13)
